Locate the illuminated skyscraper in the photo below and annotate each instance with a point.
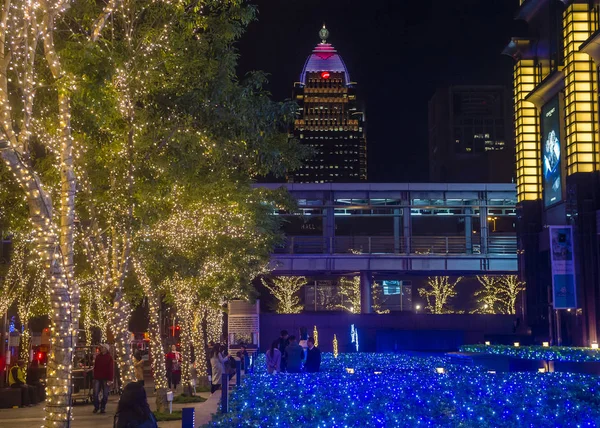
(328, 119)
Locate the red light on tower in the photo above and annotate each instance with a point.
(325, 75)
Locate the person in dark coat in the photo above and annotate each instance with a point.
(294, 355)
(104, 372)
(133, 410)
(313, 357)
(284, 341)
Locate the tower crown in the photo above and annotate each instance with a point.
(324, 58)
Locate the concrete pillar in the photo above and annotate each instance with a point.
(328, 224)
(397, 246)
(366, 280)
(483, 215)
(407, 228)
(468, 230)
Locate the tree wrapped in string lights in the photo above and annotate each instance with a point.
(285, 289)
(378, 299)
(157, 350)
(511, 288)
(488, 296)
(139, 102)
(35, 110)
(438, 292)
(349, 291)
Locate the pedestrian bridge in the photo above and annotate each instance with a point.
(343, 228)
(301, 255)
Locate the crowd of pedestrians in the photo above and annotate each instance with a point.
(286, 355)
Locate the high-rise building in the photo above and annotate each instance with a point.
(470, 135)
(558, 158)
(329, 120)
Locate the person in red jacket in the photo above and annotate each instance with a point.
(103, 377)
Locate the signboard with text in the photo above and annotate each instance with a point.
(562, 258)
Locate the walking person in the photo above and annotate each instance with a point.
(274, 358)
(294, 355)
(104, 373)
(133, 410)
(16, 380)
(283, 343)
(313, 357)
(174, 367)
(138, 366)
(217, 364)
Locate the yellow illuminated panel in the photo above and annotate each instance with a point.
(529, 165)
(580, 91)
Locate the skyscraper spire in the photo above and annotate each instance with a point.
(324, 34)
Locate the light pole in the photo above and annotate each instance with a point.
(493, 220)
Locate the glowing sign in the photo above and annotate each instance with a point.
(354, 336)
(325, 75)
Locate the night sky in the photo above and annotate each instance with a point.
(398, 51)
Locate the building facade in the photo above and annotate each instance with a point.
(394, 234)
(470, 135)
(329, 120)
(557, 161)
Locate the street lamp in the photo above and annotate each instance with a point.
(493, 220)
(417, 308)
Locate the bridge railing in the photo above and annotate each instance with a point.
(416, 245)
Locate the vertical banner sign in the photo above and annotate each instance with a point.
(563, 267)
(551, 153)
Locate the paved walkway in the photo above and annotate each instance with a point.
(84, 418)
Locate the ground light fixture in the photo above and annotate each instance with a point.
(594, 345)
(440, 370)
(516, 344)
(487, 343)
(545, 344)
(542, 370)
(349, 370)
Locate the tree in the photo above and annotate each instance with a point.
(377, 293)
(285, 289)
(33, 301)
(349, 291)
(26, 284)
(488, 297)
(511, 287)
(35, 105)
(440, 289)
(157, 350)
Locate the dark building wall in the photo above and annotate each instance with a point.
(387, 332)
(470, 135)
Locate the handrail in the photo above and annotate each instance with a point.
(415, 245)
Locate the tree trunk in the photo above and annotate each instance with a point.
(58, 401)
(185, 315)
(121, 314)
(24, 344)
(157, 352)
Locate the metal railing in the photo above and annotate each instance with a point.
(416, 245)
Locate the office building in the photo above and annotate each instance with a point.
(470, 135)
(329, 120)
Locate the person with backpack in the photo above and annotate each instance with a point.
(133, 410)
